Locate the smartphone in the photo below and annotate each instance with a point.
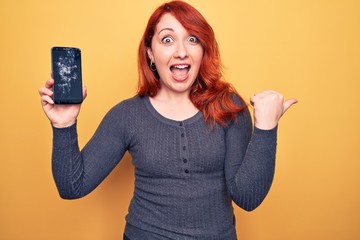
(67, 75)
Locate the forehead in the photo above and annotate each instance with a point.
(169, 21)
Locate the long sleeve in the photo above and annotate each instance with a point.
(181, 190)
(250, 162)
(77, 173)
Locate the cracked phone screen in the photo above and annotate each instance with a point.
(66, 66)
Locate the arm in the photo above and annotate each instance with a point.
(77, 173)
(250, 157)
(250, 161)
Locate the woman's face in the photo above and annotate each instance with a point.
(177, 55)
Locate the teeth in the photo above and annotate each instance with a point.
(181, 66)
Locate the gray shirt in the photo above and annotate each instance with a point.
(187, 174)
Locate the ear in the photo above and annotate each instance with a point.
(149, 53)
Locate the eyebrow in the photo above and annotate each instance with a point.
(164, 29)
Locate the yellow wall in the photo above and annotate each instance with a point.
(308, 49)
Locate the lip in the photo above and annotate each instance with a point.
(182, 77)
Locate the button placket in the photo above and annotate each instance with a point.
(184, 152)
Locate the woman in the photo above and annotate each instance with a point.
(189, 133)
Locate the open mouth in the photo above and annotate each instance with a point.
(180, 72)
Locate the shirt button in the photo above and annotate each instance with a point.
(185, 160)
(183, 135)
(186, 171)
(180, 124)
(184, 148)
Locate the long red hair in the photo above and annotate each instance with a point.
(209, 93)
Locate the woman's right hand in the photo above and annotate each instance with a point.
(60, 115)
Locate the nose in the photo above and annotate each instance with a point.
(181, 51)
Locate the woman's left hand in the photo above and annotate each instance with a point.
(269, 106)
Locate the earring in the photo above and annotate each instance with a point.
(152, 66)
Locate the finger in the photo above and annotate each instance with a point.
(253, 99)
(45, 91)
(49, 83)
(84, 92)
(288, 103)
(45, 99)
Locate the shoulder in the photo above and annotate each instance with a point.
(128, 105)
(243, 117)
(125, 109)
(238, 100)
(241, 104)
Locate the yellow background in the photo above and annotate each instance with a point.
(308, 49)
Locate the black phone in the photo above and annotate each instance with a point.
(67, 75)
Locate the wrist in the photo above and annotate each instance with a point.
(265, 125)
(63, 125)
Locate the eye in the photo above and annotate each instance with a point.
(193, 39)
(167, 39)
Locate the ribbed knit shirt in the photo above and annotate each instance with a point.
(187, 173)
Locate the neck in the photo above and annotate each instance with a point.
(173, 98)
(174, 106)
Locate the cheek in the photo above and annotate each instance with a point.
(162, 55)
(199, 59)
(200, 55)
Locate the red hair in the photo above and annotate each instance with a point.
(209, 93)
